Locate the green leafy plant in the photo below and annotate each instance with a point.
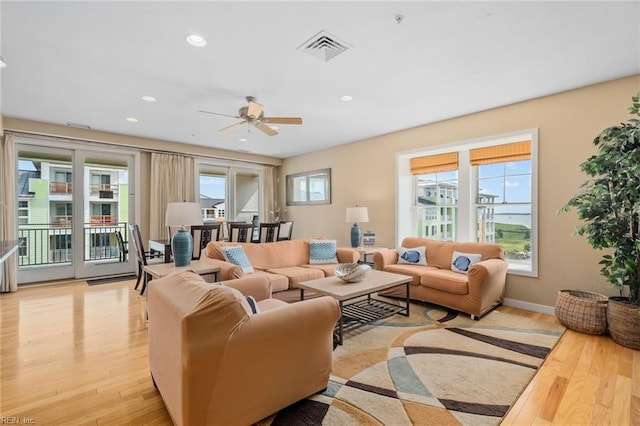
(608, 203)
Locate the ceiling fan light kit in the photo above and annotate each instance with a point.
(253, 115)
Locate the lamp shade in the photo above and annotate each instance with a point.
(181, 214)
(357, 214)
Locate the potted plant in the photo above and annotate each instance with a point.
(608, 205)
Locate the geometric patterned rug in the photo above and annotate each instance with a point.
(433, 368)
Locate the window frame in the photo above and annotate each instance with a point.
(290, 179)
(406, 189)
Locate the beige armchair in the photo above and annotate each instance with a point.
(215, 362)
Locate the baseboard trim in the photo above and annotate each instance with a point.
(543, 309)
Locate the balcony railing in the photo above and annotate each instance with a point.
(52, 244)
(61, 187)
(58, 221)
(104, 190)
(103, 220)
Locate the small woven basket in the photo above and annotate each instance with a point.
(582, 311)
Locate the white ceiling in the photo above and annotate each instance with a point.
(90, 63)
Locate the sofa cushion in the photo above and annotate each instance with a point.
(461, 262)
(412, 255)
(414, 270)
(297, 274)
(322, 251)
(445, 280)
(328, 268)
(277, 282)
(237, 256)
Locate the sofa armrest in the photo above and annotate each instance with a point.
(257, 286)
(384, 258)
(228, 271)
(487, 280)
(347, 255)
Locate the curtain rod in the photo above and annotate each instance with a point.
(41, 136)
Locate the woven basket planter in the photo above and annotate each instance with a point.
(624, 322)
(582, 311)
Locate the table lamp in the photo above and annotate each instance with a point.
(183, 214)
(356, 214)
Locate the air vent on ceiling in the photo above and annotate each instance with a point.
(324, 46)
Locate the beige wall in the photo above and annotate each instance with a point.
(363, 173)
(135, 143)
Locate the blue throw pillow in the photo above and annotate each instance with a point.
(322, 251)
(461, 262)
(237, 256)
(412, 255)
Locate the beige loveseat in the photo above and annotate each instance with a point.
(476, 292)
(215, 362)
(283, 263)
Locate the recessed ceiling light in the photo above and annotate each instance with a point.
(148, 98)
(346, 98)
(242, 140)
(132, 119)
(2, 64)
(196, 40)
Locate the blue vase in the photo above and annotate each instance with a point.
(182, 248)
(355, 235)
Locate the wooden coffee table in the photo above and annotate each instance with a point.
(357, 306)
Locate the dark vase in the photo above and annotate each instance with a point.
(182, 248)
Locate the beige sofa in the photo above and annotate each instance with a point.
(475, 293)
(217, 363)
(283, 263)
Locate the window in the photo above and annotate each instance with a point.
(478, 191)
(309, 188)
(23, 212)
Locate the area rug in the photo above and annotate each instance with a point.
(436, 367)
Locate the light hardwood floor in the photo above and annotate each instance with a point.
(73, 354)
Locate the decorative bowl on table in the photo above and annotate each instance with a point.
(352, 272)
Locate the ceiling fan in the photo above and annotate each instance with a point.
(253, 114)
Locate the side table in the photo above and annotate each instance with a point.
(369, 251)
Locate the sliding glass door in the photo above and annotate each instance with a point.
(73, 207)
(229, 194)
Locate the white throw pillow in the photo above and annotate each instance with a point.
(237, 256)
(461, 262)
(412, 255)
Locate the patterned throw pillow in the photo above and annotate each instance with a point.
(461, 262)
(322, 251)
(237, 256)
(413, 255)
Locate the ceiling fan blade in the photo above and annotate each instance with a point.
(282, 120)
(268, 130)
(255, 109)
(231, 127)
(219, 113)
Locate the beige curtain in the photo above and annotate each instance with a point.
(8, 207)
(270, 203)
(172, 180)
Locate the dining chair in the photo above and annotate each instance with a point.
(286, 228)
(143, 257)
(268, 232)
(122, 245)
(203, 235)
(240, 232)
